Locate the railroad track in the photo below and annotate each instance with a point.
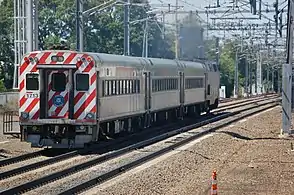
(243, 98)
(237, 115)
(107, 146)
(106, 157)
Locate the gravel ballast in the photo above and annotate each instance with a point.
(10, 146)
(249, 158)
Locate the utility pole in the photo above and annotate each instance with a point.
(267, 78)
(236, 79)
(36, 26)
(145, 40)
(29, 25)
(259, 73)
(163, 25)
(246, 77)
(177, 32)
(255, 75)
(273, 79)
(126, 28)
(250, 76)
(217, 51)
(79, 25)
(287, 74)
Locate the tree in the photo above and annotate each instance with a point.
(6, 44)
(103, 32)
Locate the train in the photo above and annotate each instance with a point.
(69, 99)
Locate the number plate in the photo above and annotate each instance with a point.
(32, 95)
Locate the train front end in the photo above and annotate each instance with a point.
(58, 99)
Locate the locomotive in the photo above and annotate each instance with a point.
(68, 99)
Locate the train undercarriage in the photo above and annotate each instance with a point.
(76, 136)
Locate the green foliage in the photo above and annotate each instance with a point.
(227, 64)
(103, 32)
(6, 44)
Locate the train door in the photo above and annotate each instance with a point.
(182, 88)
(147, 84)
(58, 93)
(207, 86)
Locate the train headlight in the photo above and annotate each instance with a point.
(24, 115)
(36, 59)
(82, 127)
(90, 116)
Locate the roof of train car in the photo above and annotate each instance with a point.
(194, 65)
(161, 63)
(121, 60)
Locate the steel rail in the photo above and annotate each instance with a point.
(69, 171)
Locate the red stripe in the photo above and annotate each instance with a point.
(32, 105)
(58, 110)
(34, 69)
(78, 97)
(93, 79)
(36, 115)
(44, 57)
(93, 110)
(89, 67)
(70, 58)
(22, 101)
(21, 85)
(24, 66)
(85, 104)
(50, 86)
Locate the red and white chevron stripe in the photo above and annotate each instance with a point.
(62, 111)
(29, 105)
(84, 102)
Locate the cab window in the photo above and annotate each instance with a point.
(82, 82)
(32, 82)
(58, 82)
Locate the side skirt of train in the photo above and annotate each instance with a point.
(77, 136)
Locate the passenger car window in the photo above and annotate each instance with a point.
(58, 82)
(32, 82)
(82, 82)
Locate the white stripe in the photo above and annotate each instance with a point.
(4, 142)
(53, 108)
(26, 104)
(35, 110)
(87, 94)
(84, 97)
(48, 60)
(87, 109)
(64, 109)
